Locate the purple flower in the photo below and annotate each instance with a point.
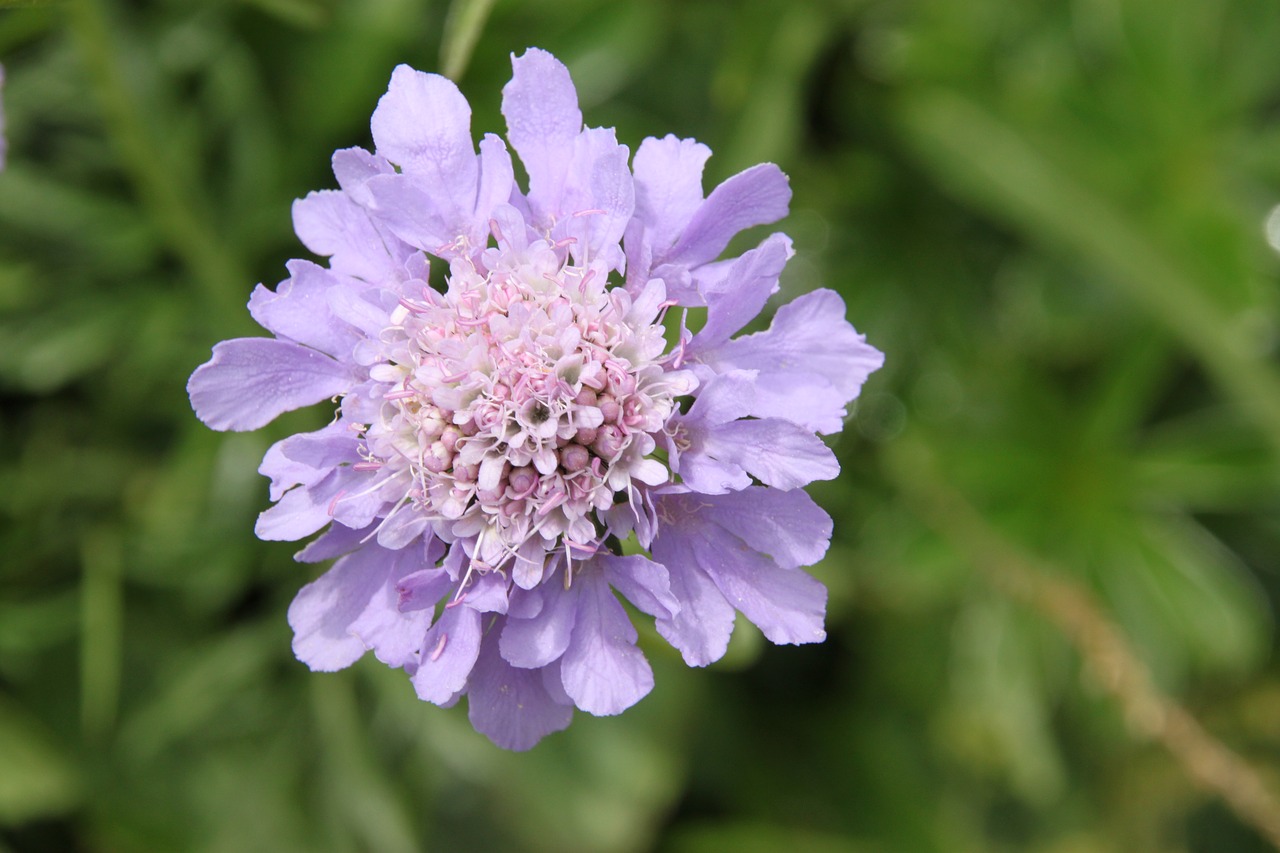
(499, 439)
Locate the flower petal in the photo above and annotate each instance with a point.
(394, 635)
(596, 200)
(353, 167)
(337, 541)
(756, 196)
(774, 451)
(804, 399)
(298, 309)
(448, 655)
(305, 458)
(538, 640)
(786, 605)
(305, 509)
(543, 120)
(808, 335)
(704, 623)
(410, 210)
(668, 175)
(423, 124)
(250, 382)
(752, 279)
(642, 582)
(509, 705)
(332, 225)
(724, 448)
(352, 607)
(788, 526)
(603, 671)
(497, 181)
(707, 532)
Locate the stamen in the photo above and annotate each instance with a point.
(439, 649)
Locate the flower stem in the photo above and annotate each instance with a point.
(462, 30)
(1105, 650)
(189, 233)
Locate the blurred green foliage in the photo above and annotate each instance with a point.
(1048, 214)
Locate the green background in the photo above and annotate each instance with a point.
(1050, 216)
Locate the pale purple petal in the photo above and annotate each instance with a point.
(322, 612)
(553, 681)
(511, 706)
(511, 232)
(776, 452)
(448, 654)
(789, 526)
(706, 474)
(723, 398)
(487, 593)
(411, 211)
(497, 180)
(298, 310)
(543, 120)
(811, 335)
(334, 226)
(305, 509)
(668, 186)
(307, 457)
(351, 608)
(805, 399)
(422, 589)
(723, 449)
(786, 605)
(402, 528)
(353, 167)
(752, 279)
(597, 197)
(704, 623)
(708, 532)
(642, 582)
(394, 635)
(540, 639)
(334, 542)
(368, 496)
(756, 196)
(603, 671)
(250, 382)
(367, 309)
(423, 124)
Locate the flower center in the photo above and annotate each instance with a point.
(520, 402)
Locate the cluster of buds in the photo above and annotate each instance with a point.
(520, 402)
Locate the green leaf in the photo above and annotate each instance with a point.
(36, 779)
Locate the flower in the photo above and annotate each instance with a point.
(501, 435)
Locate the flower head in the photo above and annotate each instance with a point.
(503, 431)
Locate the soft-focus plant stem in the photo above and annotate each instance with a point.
(1003, 171)
(188, 230)
(1105, 650)
(374, 810)
(462, 30)
(101, 624)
